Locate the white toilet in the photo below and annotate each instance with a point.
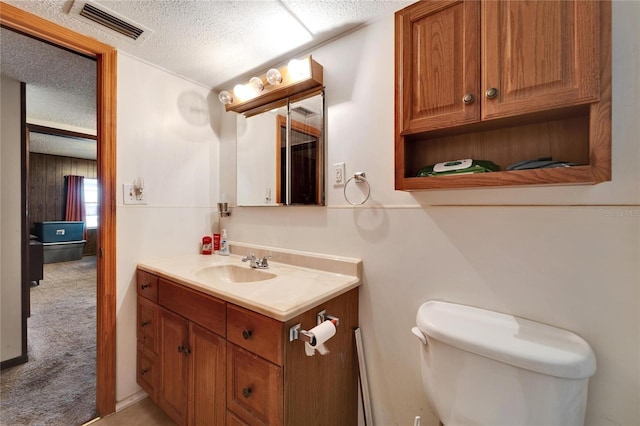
(485, 368)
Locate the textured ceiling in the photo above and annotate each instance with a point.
(61, 86)
(64, 146)
(213, 43)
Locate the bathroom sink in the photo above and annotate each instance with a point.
(234, 274)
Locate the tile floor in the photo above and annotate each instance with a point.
(143, 413)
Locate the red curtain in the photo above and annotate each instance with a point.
(75, 209)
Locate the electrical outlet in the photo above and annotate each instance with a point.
(130, 196)
(338, 173)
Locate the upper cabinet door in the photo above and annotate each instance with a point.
(539, 55)
(438, 75)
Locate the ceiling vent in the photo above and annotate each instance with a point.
(303, 111)
(110, 19)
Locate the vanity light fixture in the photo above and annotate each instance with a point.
(300, 75)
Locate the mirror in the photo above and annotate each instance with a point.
(280, 154)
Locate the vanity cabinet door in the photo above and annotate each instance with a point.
(174, 357)
(437, 65)
(233, 420)
(207, 377)
(539, 55)
(254, 388)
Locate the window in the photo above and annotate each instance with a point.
(91, 202)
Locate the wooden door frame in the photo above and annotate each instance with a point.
(106, 57)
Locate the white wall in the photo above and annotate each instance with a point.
(10, 223)
(164, 136)
(565, 256)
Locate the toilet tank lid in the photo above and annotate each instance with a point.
(516, 341)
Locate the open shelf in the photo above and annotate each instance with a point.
(565, 135)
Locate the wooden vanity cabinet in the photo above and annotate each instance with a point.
(504, 81)
(192, 355)
(217, 363)
(323, 389)
(271, 380)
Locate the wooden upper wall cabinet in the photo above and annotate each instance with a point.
(439, 63)
(504, 81)
(538, 55)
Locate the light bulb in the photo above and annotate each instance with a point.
(241, 92)
(225, 97)
(256, 84)
(298, 69)
(274, 77)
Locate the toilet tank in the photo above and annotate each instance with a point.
(484, 367)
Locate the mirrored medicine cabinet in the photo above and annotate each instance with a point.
(281, 153)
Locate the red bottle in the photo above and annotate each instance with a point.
(206, 244)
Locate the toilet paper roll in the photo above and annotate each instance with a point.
(321, 334)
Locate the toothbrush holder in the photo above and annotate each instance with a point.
(223, 209)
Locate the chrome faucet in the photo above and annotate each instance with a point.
(255, 262)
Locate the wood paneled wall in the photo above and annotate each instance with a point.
(46, 188)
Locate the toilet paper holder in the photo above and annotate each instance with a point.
(297, 333)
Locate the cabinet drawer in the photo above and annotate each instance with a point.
(147, 319)
(198, 307)
(254, 388)
(256, 333)
(147, 371)
(147, 285)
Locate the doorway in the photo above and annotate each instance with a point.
(33, 26)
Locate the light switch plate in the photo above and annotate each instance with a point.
(129, 196)
(338, 174)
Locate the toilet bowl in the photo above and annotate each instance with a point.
(486, 368)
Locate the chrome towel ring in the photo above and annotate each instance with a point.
(358, 177)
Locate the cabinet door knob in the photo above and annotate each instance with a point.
(184, 350)
(246, 334)
(143, 286)
(246, 392)
(491, 93)
(145, 323)
(144, 371)
(468, 99)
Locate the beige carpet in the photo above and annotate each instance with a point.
(57, 386)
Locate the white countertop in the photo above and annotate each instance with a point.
(293, 291)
